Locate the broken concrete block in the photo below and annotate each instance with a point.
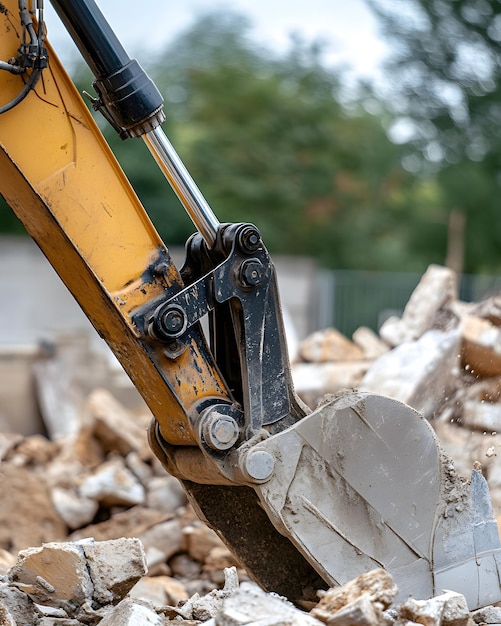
(394, 332)
(448, 609)
(113, 484)
(75, 510)
(27, 515)
(484, 416)
(184, 567)
(50, 612)
(159, 590)
(378, 585)
(114, 566)
(164, 493)
(487, 615)
(206, 607)
(426, 612)
(138, 467)
(436, 288)
(162, 541)
(15, 606)
(69, 576)
(251, 605)
(60, 400)
(329, 345)
(55, 574)
(199, 540)
(370, 344)
(418, 373)
(489, 309)
(481, 346)
(359, 612)
(133, 612)
(312, 381)
(456, 612)
(129, 523)
(115, 427)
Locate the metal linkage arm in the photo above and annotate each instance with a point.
(242, 289)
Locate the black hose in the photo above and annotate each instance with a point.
(30, 84)
(36, 40)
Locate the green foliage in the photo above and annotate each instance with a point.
(8, 220)
(269, 140)
(446, 68)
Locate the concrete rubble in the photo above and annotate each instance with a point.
(94, 583)
(442, 357)
(93, 531)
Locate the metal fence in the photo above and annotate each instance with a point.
(350, 298)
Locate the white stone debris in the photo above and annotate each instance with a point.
(114, 426)
(104, 512)
(68, 580)
(329, 345)
(418, 372)
(448, 609)
(208, 606)
(74, 509)
(437, 288)
(487, 615)
(251, 606)
(113, 484)
(132, 612)
(90, 583)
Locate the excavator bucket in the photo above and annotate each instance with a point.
(358, 484)
(362, 483)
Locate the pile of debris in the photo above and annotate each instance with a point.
(104, 482)
(442, 357)
(119, 545)
(90, 583)
(117, 534)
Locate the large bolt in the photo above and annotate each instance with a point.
(220, 431)
(251, 272)
(258, 465)
(250, 239)
(172, 321)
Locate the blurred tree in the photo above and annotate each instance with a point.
(446, 94)
(269, 140)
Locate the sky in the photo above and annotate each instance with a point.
(347, 27)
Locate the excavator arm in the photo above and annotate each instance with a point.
(305, 499)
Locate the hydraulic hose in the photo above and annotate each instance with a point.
(32, 55)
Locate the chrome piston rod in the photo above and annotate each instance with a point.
(138, 109)
(183, 184)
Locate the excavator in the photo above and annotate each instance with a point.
(306, 499)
